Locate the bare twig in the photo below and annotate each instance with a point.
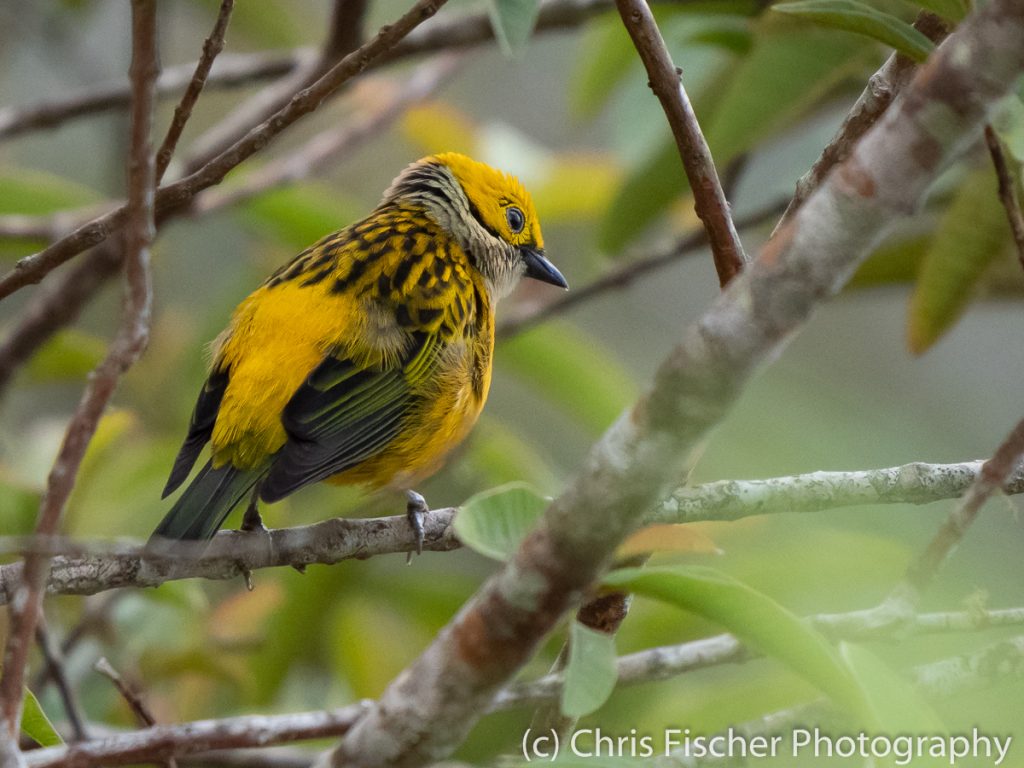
(708, 198)
(125, 349)
(33, 268)
(131, 696)
(624, 274)
(55, 669)
(212, 46)
(1007, 190)
(995, 474)
(880, 92)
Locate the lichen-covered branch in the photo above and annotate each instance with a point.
(100, 568)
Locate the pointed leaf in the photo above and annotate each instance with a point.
(971, 234)
(494, 522)
(591, 673)
(753, 617)
(513, 22)
(862, 19)
(36, 725)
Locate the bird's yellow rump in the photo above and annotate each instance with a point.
(367, 358)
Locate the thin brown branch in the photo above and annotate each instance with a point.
(626, 273)
(235, 70)
(131, 696)
(315, 155)
(54, 663)
(1007, 190)
(232, 71)
(994, 476)
(212, 47)
(879, 93)
(345, 31)
(125, 349)
(708, 198)
(32, 269)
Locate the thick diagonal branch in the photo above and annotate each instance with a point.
(430, 707)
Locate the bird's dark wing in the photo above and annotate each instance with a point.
(345, 413)
(199, 429)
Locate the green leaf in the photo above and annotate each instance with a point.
(605, 59)
(862, 19)
(69, 355)
(513, 22)
(36, 725)
(754, 618)
(494, 522)
(895, 262)
(1008, 121)
(300, 215)
(972, 233)
(591, 673)
(29, 191)
(555, 358)
(896, 705)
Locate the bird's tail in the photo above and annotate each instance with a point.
(206, 503)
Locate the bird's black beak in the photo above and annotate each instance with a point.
(539, 268)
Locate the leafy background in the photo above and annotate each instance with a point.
(570, 113)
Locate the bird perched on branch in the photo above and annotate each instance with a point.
(367, 358)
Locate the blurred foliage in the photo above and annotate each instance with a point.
(571, 114)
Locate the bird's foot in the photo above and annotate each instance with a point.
(416, 510)
(252, 522)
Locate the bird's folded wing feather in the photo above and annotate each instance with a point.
(345, 413)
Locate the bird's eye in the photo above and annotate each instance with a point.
(516, 219)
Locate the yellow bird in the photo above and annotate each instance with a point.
(367, 358)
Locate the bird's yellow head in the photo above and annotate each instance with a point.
(487, 210)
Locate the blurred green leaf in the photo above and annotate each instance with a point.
(1008, 121)
(495, 521)
(862, 19)
(606, 57)
(501, 455)
(754, 618)
(299, 216)
(555, 358)
(591, 673)
(36, 725)
(896, 706)
(19, 505)
(69, 355)
(895, 262)
(789, 69)
(34, 192)
(730, 34)
(513, 22)
(971, 234)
